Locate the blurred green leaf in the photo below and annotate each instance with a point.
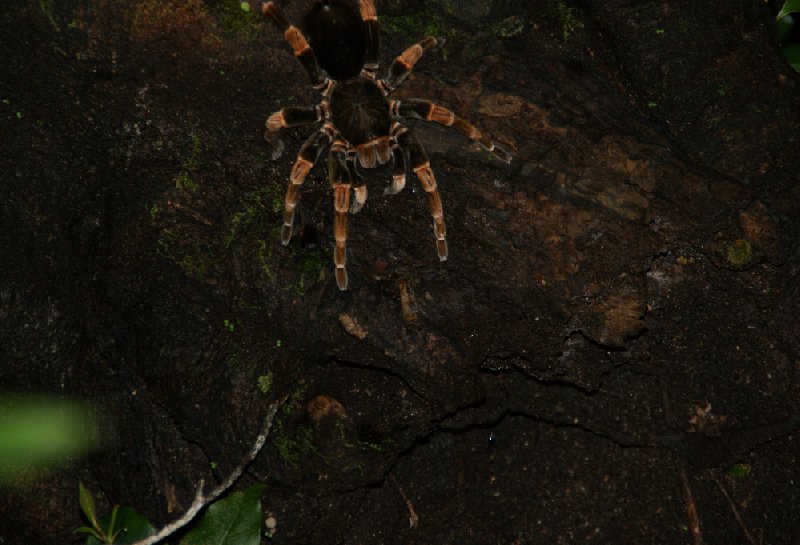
(236, 520)
(40, 432)
(790, 6)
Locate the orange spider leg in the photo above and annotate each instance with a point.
(404, 63)
(306, 158)
(422, 168)
(398, 173)
(375, 152)
(428, 111)
(299, 44)
(294, 116)
(341, 182)
(372, 29)
(359, 187)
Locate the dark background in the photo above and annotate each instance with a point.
(612, 341)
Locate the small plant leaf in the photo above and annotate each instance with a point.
(112, 522)
(785, 28)
(739, 470)
(792, 54)
(790, 6)
(131, 527)
(236, 520)
(87, 530)
(87, 506)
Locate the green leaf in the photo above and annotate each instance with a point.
(786, 28)
(87, 505)
(130, 525)
(790, 6)
(86, 530)
(236, 520)
(792, 54)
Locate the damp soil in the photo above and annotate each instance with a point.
(612, 346)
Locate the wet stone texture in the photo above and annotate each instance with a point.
(615, 328)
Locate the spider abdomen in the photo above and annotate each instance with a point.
(336, 32)
(359, 111)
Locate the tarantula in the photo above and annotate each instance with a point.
(358, 118)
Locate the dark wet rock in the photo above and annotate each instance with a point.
(617, 307)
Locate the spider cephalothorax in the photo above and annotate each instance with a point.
(359, 120)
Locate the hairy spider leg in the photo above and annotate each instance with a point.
(398, 163)
(404, 63)
(306, 158)
(377, 151)
(422, 168)
(294, 116)
(372, 29)
(428, 111)
(359, 187)
(341, 181)
(302, 50)
(398, 172)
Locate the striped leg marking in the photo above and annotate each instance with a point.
(341, 182)
(422, 168)
(398, 172)
(404, 63)
(294, 116)
(306, 158)
(298, 42)
(428, 111)
(359, 187)
(425, 175)
(372, 30)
